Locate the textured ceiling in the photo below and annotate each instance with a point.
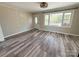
(35, 6)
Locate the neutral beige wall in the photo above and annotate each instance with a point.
(75, 23)
(73, 30)
(14, 21)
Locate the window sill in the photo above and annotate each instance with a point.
(58, 26)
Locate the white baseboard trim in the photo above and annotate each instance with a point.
(66, 33)
(17, 33)
(60, 32)
(40, 29)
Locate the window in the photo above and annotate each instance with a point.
(59, 19)
(36, 20)
(46, 19)
(56, 19)
(67, 19)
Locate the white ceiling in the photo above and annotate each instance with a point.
(35, 6)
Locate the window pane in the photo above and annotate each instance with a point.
(46, 19)
(56, 19)
(36, 20)
(66, 21)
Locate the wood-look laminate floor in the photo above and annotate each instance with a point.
(37, 43)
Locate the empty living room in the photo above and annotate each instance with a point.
(39, 29)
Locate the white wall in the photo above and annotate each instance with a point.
(14, 21)
(73, 30)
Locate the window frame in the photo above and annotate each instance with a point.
(35, 20)
(71, 18)
(55, 13)
(48, 19)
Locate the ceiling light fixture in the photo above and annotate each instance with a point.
(43, 5)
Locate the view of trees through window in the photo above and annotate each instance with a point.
(58, 19)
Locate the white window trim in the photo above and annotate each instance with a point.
(72, 11)
(37, 20)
